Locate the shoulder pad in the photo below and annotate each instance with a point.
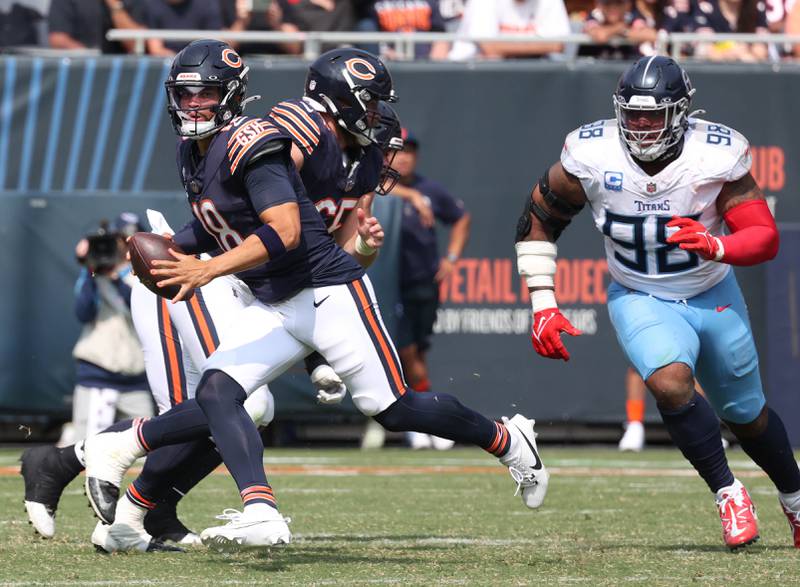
(726, 152)
(300, 123)
(250, 138)
(585, 147)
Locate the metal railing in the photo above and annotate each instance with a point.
(405, 43)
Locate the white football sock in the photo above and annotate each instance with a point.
(129, 513)
(259, 511)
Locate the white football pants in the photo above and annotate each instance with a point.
(341, 322)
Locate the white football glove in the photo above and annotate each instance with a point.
(330, 389)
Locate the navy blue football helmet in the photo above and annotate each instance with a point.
(348, 83)
(657, 89)
(388, 135)
(200, 65)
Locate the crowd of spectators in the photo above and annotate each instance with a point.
(620, 29)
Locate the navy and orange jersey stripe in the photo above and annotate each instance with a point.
(407, 15)
(500, 441)
(173, 357)
(244, 136)
(300, 123)
(258, 494)
(138, 498)
(203, 323)
(380, 339)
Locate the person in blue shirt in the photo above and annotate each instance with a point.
(421, 267)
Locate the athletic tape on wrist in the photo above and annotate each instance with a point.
(542, 299)
(362, 248)
(536, 262)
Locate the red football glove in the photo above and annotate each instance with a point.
(695, 238)
(546, 333)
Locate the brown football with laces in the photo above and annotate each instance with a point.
(146, 247)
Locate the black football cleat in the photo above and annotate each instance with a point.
(45, 477)
(163, 524)
(103, 497)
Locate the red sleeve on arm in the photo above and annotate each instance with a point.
(754, 236)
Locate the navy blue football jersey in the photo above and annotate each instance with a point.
(334, 179)
(217, 187)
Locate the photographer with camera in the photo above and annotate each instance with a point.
(110, 375)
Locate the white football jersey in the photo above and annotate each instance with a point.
(632, 208)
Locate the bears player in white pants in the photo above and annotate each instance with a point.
(310, 295)
(176, 340)
(674, 197)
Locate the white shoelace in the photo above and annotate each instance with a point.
(523, 480)
(230, 515)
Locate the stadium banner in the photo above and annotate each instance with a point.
(84, 139)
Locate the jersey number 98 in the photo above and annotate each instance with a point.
(636, 226)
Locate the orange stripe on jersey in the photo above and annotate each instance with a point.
(172, 353)
(293, 123)
(304, 115)
(205, 331)
(299, 140)
(385, 349)
(242, 130)
(264, 133)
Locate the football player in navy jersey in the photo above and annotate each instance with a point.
(339, 137)
(248, 200)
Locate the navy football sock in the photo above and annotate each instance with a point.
(119, 426)
(694, 428)
(235, 434)
(772, 452)
(178, 466)
(183, 423)
(443, 415)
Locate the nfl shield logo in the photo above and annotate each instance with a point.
(651, 188)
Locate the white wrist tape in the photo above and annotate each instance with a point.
(720, 250)
(536, 262)
(542, 299)
(362, 248)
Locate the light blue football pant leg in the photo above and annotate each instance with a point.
(727, 366)
(652, 332)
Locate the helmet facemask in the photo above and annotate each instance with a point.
(358, 117)
(230, 105)
(665, 124)
(389, 175)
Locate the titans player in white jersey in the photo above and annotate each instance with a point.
(675, 199)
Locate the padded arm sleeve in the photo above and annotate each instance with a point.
(754, 237)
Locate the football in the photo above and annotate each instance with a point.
(146, 247)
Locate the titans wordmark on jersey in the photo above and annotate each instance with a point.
(632, 208)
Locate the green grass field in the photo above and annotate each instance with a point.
(423, 518)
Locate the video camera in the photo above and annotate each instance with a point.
(104, 251)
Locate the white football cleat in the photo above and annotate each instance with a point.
(418, 440)
(523, 461)
(633, 439)
(108, 457)
(440, 443)
(121, 537)
(267, 527)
